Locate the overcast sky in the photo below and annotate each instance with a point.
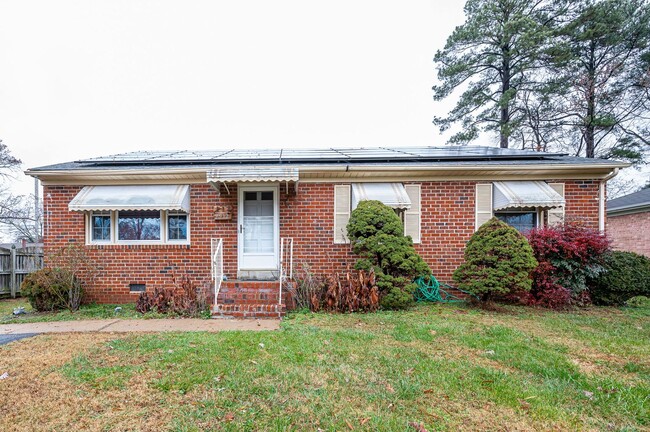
(89, 78)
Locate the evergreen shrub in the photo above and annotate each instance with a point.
(498, 262)
(377, 236)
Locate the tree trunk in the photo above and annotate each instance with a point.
(590, 126)
(505, 105)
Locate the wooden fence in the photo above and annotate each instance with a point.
(14, 266)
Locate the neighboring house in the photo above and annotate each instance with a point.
(144, 214)
(628, 222)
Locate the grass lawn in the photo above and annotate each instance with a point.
(436, 367)
(90, 311)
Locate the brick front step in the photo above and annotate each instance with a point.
(238, 292)
(249, 299)
(254, 310)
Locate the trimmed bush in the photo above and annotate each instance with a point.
(47, 289)
(377, 236)
(498, 261)
(568, 256)
(626, 275)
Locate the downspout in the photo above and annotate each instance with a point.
(601, 199)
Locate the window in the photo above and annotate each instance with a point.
(519, 203)
(142, 226)
(177, 227)
(400, 214)
(138, 225)
(392, 194)
(522, 221)
(100, 227)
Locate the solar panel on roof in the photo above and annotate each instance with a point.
(339, 154)
(310, 154)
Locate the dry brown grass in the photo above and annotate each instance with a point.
(342, 372)
(41, 399)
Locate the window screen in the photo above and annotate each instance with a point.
(138, 225)
(101, 227)
(523, 222)
(177, 227)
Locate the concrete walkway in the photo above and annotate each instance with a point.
(149, 326)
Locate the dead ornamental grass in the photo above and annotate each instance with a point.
(38, 398)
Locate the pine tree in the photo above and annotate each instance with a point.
(493, 57)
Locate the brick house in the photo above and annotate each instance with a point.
(251, 215)
(628, 222)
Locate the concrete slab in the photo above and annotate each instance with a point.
(145, 326)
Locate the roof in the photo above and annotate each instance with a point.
(633, 203)
(348, 155)
(379, 164)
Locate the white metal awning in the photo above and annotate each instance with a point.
(141, 197)
(392, 194)
(525, 195)
(253, 174)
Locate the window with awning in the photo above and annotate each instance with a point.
(135, 214)
(132, 198)
(405, 199)
(522, 204)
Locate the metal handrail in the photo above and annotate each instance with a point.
(217, 265)
(286, 253)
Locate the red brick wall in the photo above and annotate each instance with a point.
(630, 232)
(124, 264)
(447, 223)
(582, 203)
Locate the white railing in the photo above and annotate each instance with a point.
(286, 263)
(217, 265)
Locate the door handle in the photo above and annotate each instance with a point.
(241, 228)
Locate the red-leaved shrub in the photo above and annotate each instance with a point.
(568, 255)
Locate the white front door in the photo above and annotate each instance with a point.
(258, 228)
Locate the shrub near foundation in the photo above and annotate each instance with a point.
(46, 289)
(626, 275)
(569, 256)
(377, 236)
(498, 261)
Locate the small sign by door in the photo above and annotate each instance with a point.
(222, 212)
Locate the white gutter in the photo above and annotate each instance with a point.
(601, 199)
